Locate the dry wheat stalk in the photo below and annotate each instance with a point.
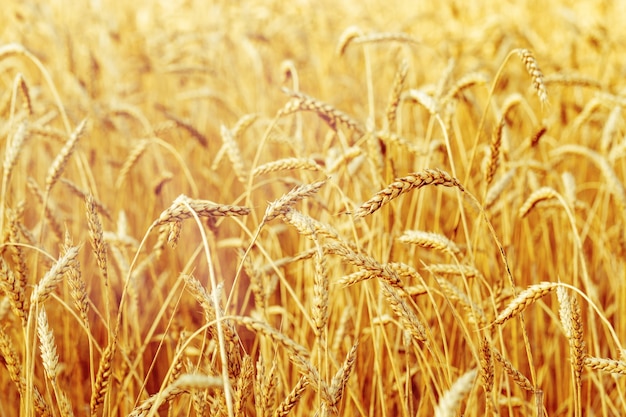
(530, 62)
(498, 187)
(14, 289)
(576, 342)
(233, 153)
(403, 185)
(524, 299)
(178, 211)
(396, 91)
(450, 400)
(430, 240)
(328, 113)
(49, 355)
(309, 227)
(53, 277)
(283, 204)
(292, 398)
(287, 164)
(542, 194)
(174, 229)
(510, 370)
(606, 365)
(57, 167)
(103, 377)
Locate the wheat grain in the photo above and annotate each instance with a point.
(14, 147)
(422, 98)
(467, 81)
(286, 164)
(405, 184)
(537, 135)
(320, 299)
(523, 300)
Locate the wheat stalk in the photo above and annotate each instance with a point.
(518, 377)
(53, 277)
(609, 366)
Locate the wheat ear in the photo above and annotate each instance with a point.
(610, 366)
(430, 240)
(450, 400)
(292, 398)
(283, 204)
(54, 276)
(179, 211)
(103, 377)
(57, 167)
(532, 67)
(523, 300)
(405, 184)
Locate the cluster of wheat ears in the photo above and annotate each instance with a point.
(218, 210)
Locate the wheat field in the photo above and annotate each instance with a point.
(313, 208)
